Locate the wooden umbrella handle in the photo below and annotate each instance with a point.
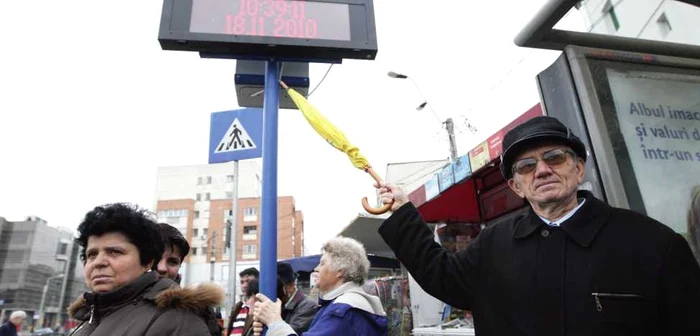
(365, 203)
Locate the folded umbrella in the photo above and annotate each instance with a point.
(337, 139)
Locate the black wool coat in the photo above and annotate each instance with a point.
(604, 271)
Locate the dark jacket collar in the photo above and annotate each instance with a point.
(298, 296)
(104, 303)
(582, 227)
(163, 293)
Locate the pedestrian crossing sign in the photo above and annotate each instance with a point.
(235, 135)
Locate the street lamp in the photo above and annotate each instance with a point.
(425, 100)
(449, 124)
(43, 299)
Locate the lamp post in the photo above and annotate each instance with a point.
(64, 284)
(449, 124)
(43, 298)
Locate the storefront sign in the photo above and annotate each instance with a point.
(446, 178)
(479, 156)
(496, 141)
(461, 168)
(417, 197)
(495, 145)
(492, 148)
(432, 188)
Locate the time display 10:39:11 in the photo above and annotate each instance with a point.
(278, 18)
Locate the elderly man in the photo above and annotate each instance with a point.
(570, 265)
(10, 327)
(299, 309)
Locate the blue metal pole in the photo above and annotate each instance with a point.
(268, 216)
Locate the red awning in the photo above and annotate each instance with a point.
(458, 204)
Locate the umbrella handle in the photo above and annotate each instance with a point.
(365, 203)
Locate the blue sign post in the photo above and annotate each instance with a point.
(235, 135)
(268, 216)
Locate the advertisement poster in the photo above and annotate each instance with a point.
(479, 156)
(461, 168)
(659, 117)
(446, 177)
(432, 188)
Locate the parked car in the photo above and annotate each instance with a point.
(46, 332)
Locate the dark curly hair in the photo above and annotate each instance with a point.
(172, 238)
(131, 221)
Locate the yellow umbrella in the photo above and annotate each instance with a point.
(337, 139)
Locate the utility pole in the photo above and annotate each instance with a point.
(232, 240)
(40, 320)
(451, 134)
(213, 255)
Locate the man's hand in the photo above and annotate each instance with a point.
(389, 193)
(265, 311)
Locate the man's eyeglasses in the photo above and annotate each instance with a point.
(552, 158)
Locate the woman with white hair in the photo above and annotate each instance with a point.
(345, 309)
(10, 327)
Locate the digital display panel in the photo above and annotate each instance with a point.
(652, 115)
(272, 18)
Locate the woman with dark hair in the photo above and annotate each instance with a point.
(120, 249)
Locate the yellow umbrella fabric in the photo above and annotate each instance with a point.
(327, 130)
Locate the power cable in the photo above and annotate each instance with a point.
(321, 82)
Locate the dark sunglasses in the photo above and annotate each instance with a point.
(552, 158)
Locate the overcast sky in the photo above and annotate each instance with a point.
(90, 105)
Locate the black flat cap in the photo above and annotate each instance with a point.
(533, 131)
(285, 273)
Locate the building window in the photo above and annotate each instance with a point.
(199, 181)
(611, 18)
(196, 214)
(195, 232)
(208, 179)
(207, 196)
(229, 178)
(204, 251)
(664, 25)
(194, 251)
(205, 214)
(229, 194)
(62, 248)
(250, 232)
(199, 197)
(169, 213)
(205, 232)
(249, 251)
(250, 214)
